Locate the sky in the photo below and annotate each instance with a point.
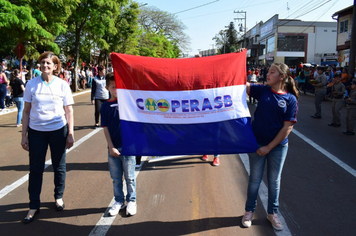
(205, 18)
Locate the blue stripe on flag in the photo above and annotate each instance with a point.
(226, 137)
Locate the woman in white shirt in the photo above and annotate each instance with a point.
(47, 120)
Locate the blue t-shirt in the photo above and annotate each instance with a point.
(110, 118)
(272, 111)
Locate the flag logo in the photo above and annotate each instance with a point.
(151, 104)
(163, 105)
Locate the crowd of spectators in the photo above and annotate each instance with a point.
(85, 74)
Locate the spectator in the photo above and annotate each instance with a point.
(99, 94)
(18, 87)
(4, 82)
(36, 71)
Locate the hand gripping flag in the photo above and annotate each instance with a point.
(190, 106)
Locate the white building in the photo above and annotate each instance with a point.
(292, 42)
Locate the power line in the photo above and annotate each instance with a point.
(228, 10)
(196, 7)
(286, 21)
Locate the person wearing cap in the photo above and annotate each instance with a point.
(320, 91)
(337, 91)
(351, 110)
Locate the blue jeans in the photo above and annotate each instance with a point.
(38, 145)
(123, 165)
(275, 160)
(19, 103)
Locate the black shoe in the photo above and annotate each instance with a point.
(331, 124)
(316, 117)
(60, 208)
(349, 133)
(28, 220)
(337, 125)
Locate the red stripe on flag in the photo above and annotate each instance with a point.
(162, 74)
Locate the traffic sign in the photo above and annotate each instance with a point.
(20, 50)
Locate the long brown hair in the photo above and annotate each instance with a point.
(288, 81)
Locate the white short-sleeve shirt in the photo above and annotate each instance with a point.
(47, 103)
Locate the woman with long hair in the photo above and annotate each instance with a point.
(275, 115)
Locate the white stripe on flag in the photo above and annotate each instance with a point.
(183, 107)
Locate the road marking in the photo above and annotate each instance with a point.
(326, 153)
(105, 222)
(7, 189)
(263, 193)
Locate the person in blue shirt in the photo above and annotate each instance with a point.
(119, 165)
(275, 115)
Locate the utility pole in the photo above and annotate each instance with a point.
(353, 43)
(244, 28)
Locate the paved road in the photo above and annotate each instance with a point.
(185, 196)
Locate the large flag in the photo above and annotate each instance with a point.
(189, 106)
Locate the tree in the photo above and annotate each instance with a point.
(154, 20)
(226, 40)
(232, 40)
(125, 38)
(157, 45)
(34, 23)
(220, 41)
(90, 18)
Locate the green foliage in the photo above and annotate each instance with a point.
(35, 23)
(157, 45)
(78, 27)
(227, 40)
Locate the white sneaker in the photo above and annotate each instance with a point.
(115, 208)
(247, 219)
(131, 208)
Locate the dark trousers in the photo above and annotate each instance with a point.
(98, 103)
(138, 160)
(2, 95)
(38, 145)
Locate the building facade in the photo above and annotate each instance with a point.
(292, 42)
(344, 25)
(208, 52)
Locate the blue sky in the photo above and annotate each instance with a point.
(205, 18)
